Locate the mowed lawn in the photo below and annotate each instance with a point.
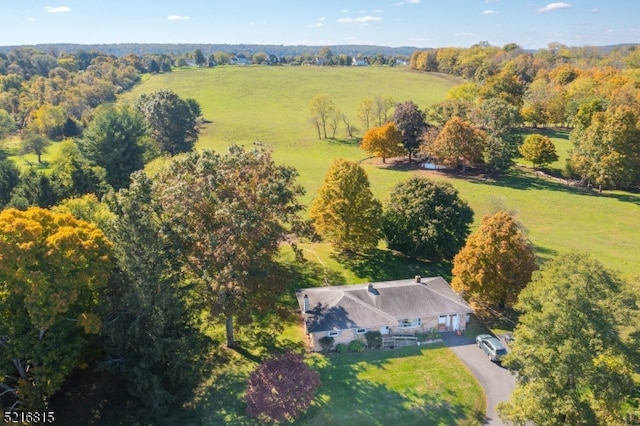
(408, 386)
(270, 105)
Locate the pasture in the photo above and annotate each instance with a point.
(270, 106)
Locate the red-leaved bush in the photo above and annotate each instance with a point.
(282, 387)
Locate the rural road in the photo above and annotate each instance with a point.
(497, 382)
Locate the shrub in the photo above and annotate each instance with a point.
(341, 348)
(374, 339)
(281, 388)
(327, 343)
(356, 346)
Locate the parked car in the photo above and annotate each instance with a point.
(491, 346)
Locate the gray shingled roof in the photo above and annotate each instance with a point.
(355, 306)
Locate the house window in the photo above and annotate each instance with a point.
(409, 322)
(361, 330)
(333, 333)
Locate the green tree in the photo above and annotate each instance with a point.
(538, 149)
(7, 124)
(52, 269)
(322, 110)
(33, 189)
(344, 210)
(33, 142)
(73, 176)
(498, 120)
(9, 179)
(150, 330)
(410, 121)
(199, 58)
(426, 219)
(113, 141)
(384, 141)
(573, 367)
(229, 214)
(606, 152)
(171, 119)
(495, 264)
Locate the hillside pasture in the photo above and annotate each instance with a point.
(270, 106)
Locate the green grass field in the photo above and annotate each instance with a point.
(271, 105)
(408, 386)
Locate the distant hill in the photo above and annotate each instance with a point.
(122, 49)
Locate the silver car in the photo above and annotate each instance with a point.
(491, 346)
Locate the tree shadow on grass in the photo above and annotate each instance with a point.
(386, 265)
(345, 397)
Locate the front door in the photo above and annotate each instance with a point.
(455, 322)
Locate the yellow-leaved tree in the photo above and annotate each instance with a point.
(52, 267)
(495, 264)
(384, 141)
(344, 210)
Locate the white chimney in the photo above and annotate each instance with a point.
(306, 303)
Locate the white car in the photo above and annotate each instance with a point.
(491, 346)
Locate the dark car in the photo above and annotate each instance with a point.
(491, 346)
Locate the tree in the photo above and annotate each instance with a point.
(365, 112)
(113, 141)
(574, 368)
(344, 210)
(281, 388)
(409, 120)
(458, 143)
(322, 109)
(539, 150)
(606, 153)
(426, 219)
(199, 58)
(9, 179)
(382, 105)
(495, 264)
(73, 176)
(228, 215)
(498, 120)
(34, 142)
(150, 332)
(52, 269)
(384, 141)
(33, 189)
(7, 124)
(171, 119)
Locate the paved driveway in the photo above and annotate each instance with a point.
(497, 382)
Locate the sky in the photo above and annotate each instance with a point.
(531, 24)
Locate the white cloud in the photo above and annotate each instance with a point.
(31, 19)
(319, 22)
(360, 20)
(554, 6)
(489, 12)
(177, 18)
(413, 1)
(57, 9)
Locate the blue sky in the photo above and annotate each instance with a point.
(419, 23)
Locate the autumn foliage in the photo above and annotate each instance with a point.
(281, 388)
(384, 141)
(52, 267)
(495, 264)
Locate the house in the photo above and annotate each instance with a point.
(360, 62)
(391, 307)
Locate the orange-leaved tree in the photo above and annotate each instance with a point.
(495, 264)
